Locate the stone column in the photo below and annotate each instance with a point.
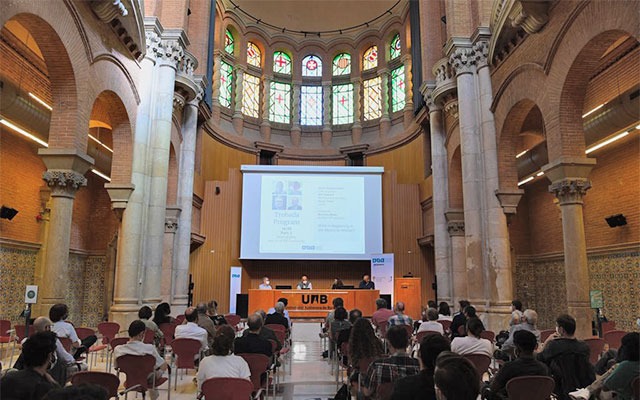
(440, 196)
(356, 129)
(569, 183)
(408, 90)
(326, 113)
(296, 131)
(456, 229)
(64, 176)
(171, 51)
(497, 244)
(463, 62)
(238, 119)
(265, 125)
(385, 121)
(215, 87)
(169, 252)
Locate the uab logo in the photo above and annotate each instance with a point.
(314, 299)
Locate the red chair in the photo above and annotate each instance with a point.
(67, 344)
(168, 331)
(108, 330)
(258, 365)
(180, 319)
(608, 326)
(276, 327)
(544, 335)
(20, 332)
(233, 320)
(423, 334)
(409, 329)
(530, 387)
(185, 351)
(83, 333)
(115, 342)
(489, 335)
(149, 335)
(446, 325)
(596, 346)
(227, 389)
(137, 370)
(480, 361)
(108, 381)
(6, 338)
(614, 338)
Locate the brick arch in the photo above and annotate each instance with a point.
(54, 30)
(456, 196)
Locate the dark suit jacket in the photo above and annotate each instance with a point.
(277, 318)
(268, 334)
(252, 343)
(415, 387)
(365, 285)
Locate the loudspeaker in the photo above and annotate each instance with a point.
(387, 297)
(242, 305)
(616, 220)
(8, 212)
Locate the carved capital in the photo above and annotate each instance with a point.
(451, 107)
(455, 228)
(570, 191)
(170, 53)
(178, 102)
(481, 53)
(530, 15)
(64, 183)
(119, 194)
(463, 60)
(152, 39)
(427, 90)
(170, 225)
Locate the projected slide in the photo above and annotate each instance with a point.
(312, 214)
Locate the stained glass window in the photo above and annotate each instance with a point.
(228, 42)
(343, 104)
(254, 56)
(372, 99)
(281, 63)
(397, 89)
(370, 59)
(311, 105)
(251, 96)
(226, 84)
(311, 66)
(342, 64)
(280, 102)
(396, 46)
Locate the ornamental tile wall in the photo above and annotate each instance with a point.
(17, 267)
(94, 290)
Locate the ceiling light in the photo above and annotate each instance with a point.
(529, 179)
(101, 175)
(100, 143)
(23, 132)
(637, 126)
(606, 142)
(39, 100)
(594, 110)
(540, 173)
(521, 154)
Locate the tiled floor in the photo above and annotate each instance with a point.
(307, 376)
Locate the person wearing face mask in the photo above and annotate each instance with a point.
(304, 283)
(266, 284)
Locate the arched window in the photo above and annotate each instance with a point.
(228, 42)
(397, 89)
(311, 105)
(251, 96)
(254, 56)
(281, 63)
(372, 99)
(396, 47)
(370, 58)
(343, 104)
(280, 102)
(311, 66)
(342, 64)
(226, 84)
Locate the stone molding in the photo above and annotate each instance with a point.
(451, 107)
(481, 53)
(167, 46)
(463, 60)
(125, 18)
(170, 225)
(119, 195)
(64, 183)
(427, 90)
(455, 228)
(570, 191)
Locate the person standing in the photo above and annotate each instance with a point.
(366, 283)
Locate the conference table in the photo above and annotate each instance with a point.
(314, 303)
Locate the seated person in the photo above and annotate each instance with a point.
(33, 382)
(266, 284)
(431, 325)
(398, 365)
(399, 318)
(144, 314)
(304, 283)
(222, 363)
(366, 282)
(444, 312)
(58, 313)
(525, 364)
(252, 342)
(473, 343)
(363, 345)
(212, 312)
(191, 330)
(516, 313)
(455, 378)
(137, 347)
(339, 325)
(162, 314)
(265, 332)
(420, 387)
(567, 358)
(382, 313)
(83, 391)
(337, 302)
(278, 317)
(284, 301)
(528, 323)
(337, 284)
(205, 322)
(459, 319)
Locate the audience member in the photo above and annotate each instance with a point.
(212, 312)
(83, 391)
(366, 282)
(205, 322)
(34, 381)
(516, 313)
(431, 325)
(529, 320)
(363, 344)
(304, 283)
(354, 315)
(382, 313)
(266, 284)
(525, 364)
(619, 377)
(420, 387)
(222, 363)
(277, 317)
(398, 365)
(252, 342)
(340, 325)
(459, 319)
(58, 313)
(444, 312)
(567, 358)
(455, 378)
(285, 302)
(432, 304)
(400, 318)
(161, 315)
(145, 314)
(137, 347)
(191, 330)
(472, 343)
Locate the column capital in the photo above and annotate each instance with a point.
(451, 107)
(569, 178)
(570, 191)
(455, 228)
(463, 60)
(172, 216)
(119, 195)
(427, 89)
(481, 53)
(64, 183)
(65, 170)
(179, 100)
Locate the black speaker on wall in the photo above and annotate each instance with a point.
(387, 297)
(8, 212)
(616, 220)
(242, 305)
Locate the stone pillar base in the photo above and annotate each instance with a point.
(124, 315)
(496, 318)
(583, 315)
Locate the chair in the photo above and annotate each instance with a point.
(276, 327)
(185, 351)
(544, 335)
(384, 390)
(596, 346)
(530, 388)
(180, 319)
(149, 335)
(409, 329)
(6, 337)
(67, 344)
(20, 332)
(462, 331)
(446, 325)
(137, 370)
(480, 361)
(608, 326)
(423, 334)
(108, 381)
(489, 335)
(227, 389)
(258, 365)
(84, 333)
(614, 338)
(233, 320)
(115, 342)
(108, 330)
(635, 388)
(168, 331)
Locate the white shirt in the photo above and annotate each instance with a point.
(65, 330)
(137, 348)
(230, 366)
(431, 326)
(191, 330)
(264, 286)
(471, 345)
(442, 317)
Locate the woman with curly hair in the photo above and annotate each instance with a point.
(223, 363)
(363, 344)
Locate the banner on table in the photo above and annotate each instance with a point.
(382, 273)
